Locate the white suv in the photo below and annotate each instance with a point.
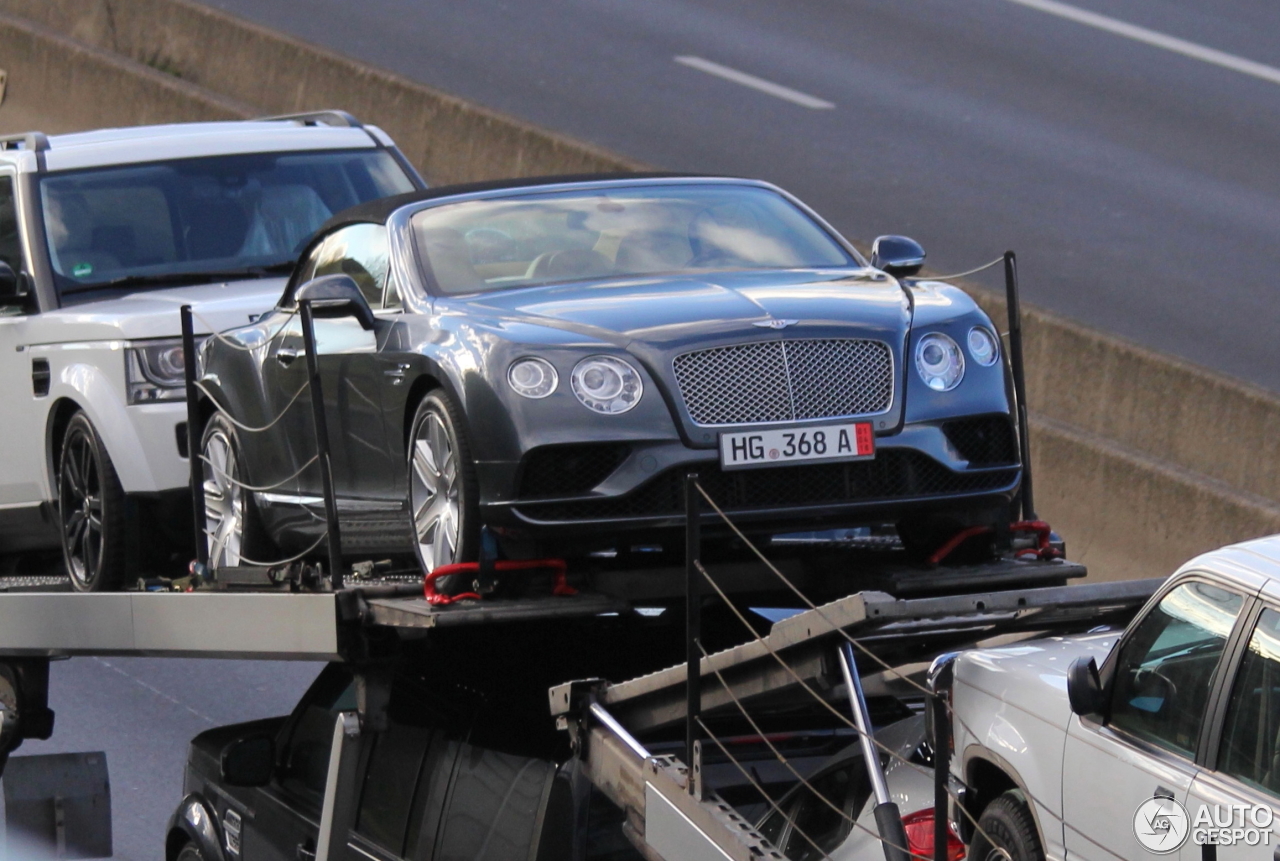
(103, 236)
(1160, 740)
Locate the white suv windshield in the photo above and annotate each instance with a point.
(498, 244)
(198, 219)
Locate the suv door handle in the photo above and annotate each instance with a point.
(1161, 792)
(285, 356)
(302, 853)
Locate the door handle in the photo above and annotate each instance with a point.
(1161, 792)
(286, 355)
(302, 853)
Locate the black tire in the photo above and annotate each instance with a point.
(234, 534)
(438, 424)
(1008, 823)
(90, 510)
(189, 852)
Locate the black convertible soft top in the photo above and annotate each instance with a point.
(377, 211)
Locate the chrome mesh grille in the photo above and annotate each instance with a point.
(779, 381)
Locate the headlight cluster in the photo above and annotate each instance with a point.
(603, 384)
(155, 371)
(940, 362)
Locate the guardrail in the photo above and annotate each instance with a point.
(1128, 471)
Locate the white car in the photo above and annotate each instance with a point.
(1163, 739)
(103, 236)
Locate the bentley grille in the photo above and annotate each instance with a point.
(782, 381)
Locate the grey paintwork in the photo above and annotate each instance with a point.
(464, 344)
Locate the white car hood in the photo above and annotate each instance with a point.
(154, 313)
(1032, 675)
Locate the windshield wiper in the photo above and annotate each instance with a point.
(179, 279)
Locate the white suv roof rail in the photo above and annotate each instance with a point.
(33, 141)
(312, 118)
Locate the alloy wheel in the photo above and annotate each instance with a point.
(80, 504)
(224, 509)
(434, 493)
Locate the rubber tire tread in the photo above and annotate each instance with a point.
(1011, 826)
(255, 543)
(111, 568)
(189, 852)
(469, 511)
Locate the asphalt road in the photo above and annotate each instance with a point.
(142, 712)
(1136, 183)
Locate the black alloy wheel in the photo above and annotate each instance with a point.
(442, 485)
(1006, 831)
(90, 509)
(189, 852)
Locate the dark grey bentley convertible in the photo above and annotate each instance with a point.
(550, 357)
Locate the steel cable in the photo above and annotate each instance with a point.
(232, 344)
(884, 664)
(256, 564)
(262, 489)
(981, 268)
(244, 427)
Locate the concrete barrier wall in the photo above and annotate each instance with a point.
(448, 139)
(1140, 459)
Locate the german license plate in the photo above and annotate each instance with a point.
(825, 443)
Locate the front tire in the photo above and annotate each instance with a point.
(232, 527)
(1008, 823)
(90, 509)
(442, 485)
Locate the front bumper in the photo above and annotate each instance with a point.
(965, 463)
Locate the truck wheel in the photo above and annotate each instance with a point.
(232, 526)
(1010, 827)
(90, 509)
(442, 485)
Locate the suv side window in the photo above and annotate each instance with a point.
(361, 252)
(305, 761)
(1250, 749)
(10, 241)
(1166, 667)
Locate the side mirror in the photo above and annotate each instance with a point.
(336, 296)
(11, 284)
(897, 255)
(248, 761)
(1084, 687)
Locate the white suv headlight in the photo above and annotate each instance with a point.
(606, 385)
(939, 362)
(156, 371)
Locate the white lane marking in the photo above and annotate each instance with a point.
(776, 90)
(155, 690)
(1155, 38)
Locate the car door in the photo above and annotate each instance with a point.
(1232, 803)
(22, 431)
(285, 820)
(1146, 747)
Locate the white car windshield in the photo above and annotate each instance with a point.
(192, 219)
(499, 244)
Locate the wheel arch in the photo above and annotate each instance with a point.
(988, 776)
(194, 822)
(59, 417)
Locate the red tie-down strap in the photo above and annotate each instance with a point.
(439, 599)
(1042, 550)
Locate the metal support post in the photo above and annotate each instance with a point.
(693, 624)
(193, 435)
(322, 445)
(893, 835)
(941, 742)
(337, 812)
(1019, 380)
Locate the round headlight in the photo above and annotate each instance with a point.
(532, 378)
(606, 385)
(939, 362)
(983, 346)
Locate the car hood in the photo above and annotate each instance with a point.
(153, 313)
(1032, 675)
(669, 312)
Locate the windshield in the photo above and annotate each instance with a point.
(499, 244)
(217, 217)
